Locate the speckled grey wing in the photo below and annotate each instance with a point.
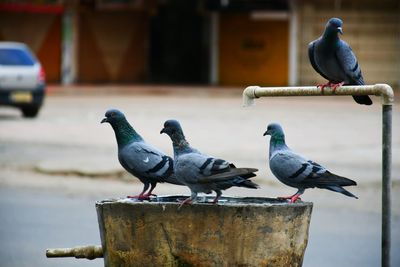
(143, 159)
(348, 61)
(228, 174)
(200, 168)
(209, 165)
(216, 170)
(312, 55)
(293, 168)
(349, 64)
(297, 171)
(195, 165)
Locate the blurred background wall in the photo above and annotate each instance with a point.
(218, 42)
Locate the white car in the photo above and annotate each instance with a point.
(22, 78)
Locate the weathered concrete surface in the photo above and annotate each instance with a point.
(260, 232)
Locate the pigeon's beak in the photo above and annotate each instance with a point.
(162, 131)
(104, 120)
(340, 30)
(266, 133)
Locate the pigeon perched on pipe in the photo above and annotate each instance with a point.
(147, 163)
(334, 60)
(294, 170)
(200, 172)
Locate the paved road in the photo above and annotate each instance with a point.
(47, 189)
(33, 220)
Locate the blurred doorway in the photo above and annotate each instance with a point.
(178, 44)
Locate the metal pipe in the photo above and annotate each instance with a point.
(81, 252)
(383, 90)
(386, 183)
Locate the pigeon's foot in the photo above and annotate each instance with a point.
(140, 197)
(322, 86)
(295, 198)
(335, 85)
(292, 199)
(186, 201)
(215, 200)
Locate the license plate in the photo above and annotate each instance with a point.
(21, 97)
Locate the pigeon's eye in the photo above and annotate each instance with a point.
(112, 114)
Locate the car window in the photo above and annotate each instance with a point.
(15, 57)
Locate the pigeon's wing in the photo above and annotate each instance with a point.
(327, 178)
(349, 64)
(294, 168)
(200, 168)
(319, 176)
(143, 159)
(245, 173)
(212, 166)
(312, 55)
(214, 170)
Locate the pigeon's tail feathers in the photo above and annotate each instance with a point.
(360, 99)
(227, 175)
(250, 184)
(248, 176)
(240, 182)
(245, 176)
(363, 99)
(236, 181)
(340, 189)
(329, 178)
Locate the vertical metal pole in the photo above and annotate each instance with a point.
(386, 182)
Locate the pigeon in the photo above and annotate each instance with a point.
(294, 170)
(334, 60)
(203, 173)
(148, 164)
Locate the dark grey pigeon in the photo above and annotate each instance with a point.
(296, 171)
(334, 60)
(200, 172)
(148, 164)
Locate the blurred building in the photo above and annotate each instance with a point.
(221, 42)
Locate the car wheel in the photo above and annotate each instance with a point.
(30, 111)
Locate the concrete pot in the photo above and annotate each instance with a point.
(236, 232)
